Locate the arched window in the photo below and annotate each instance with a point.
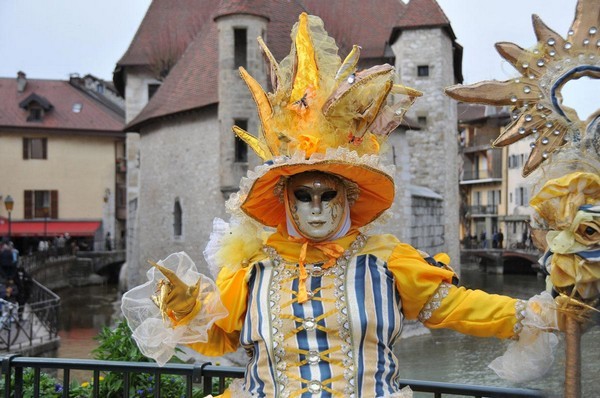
(177, 217)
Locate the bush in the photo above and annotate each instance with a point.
(114, 345)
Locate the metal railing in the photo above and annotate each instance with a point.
(212, 378)
(483, 209)
(32, 323)
(469, 175)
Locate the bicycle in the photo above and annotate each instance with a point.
(9, 324)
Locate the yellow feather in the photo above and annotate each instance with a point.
(307, 73)
(265, 111)
(257, 146)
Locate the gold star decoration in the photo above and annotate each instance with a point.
(535, 97)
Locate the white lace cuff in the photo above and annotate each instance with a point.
(157, 338)
(531, 356)
(434, 301)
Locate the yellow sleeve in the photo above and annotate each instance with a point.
(475, 312)
(416, 279)
(224, 335)
(471, 312)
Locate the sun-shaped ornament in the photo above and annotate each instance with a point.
(535, 97)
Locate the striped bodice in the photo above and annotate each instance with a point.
(338, 343)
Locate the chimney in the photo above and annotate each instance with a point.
(75, 79)
(21, 81)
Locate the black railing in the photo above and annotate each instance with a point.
(212, 378)
(32, 323)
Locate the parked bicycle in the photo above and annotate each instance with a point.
(9, 323)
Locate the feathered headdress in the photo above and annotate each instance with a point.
(322, 115)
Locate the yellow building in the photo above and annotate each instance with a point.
(61, 151)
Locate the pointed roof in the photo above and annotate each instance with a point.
(92, 116)
(422, 13)
(34, 98)
(193, 82)
(247, 7)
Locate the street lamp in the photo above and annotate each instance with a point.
(9, 203)
(46, 210)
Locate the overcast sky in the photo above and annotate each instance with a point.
(53, 38)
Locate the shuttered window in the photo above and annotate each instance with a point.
(35, 148)
(41, 204)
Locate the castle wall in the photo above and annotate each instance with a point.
(433, 150)
(186, 147)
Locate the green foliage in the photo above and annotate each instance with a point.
(114, 345)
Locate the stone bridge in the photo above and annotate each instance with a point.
(102, 260)
(85, 268)
(499, 261)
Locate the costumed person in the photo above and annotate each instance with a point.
(565, 155)
(317, 303)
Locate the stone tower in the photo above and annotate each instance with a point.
(426, 59)
(237, 34)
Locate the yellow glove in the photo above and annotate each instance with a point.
(176, 300)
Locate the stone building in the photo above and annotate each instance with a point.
(183, 93)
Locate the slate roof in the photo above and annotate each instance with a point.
(93, 117)
(193, 81)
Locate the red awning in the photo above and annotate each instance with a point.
(50, 228)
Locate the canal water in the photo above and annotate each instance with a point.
(439, 355)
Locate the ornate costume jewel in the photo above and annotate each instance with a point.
(434, 301)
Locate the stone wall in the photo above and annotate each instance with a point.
(185, 146)
(427, 221)
(433, 150)
(235, 100)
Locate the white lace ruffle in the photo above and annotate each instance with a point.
(157, 338)
(531, 356)
(220, 229)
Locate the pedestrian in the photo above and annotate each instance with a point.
(483, 240)
(8, 272)
(24, 284)
(108, 242)
(61, 244)
(500, 239)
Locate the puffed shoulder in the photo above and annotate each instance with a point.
(233, 287)
(416, 279)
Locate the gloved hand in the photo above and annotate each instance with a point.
(175, 299)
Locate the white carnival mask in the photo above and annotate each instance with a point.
(317, 204)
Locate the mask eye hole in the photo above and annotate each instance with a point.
(589, 231)
(302, 195)
(328, 196)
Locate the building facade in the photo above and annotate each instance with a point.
(482, 179)
(61, 151)
(183, 159)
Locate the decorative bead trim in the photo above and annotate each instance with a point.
(434, 301)
(283, 271)
(520, 307)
